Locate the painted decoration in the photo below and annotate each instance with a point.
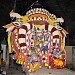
(37, 39)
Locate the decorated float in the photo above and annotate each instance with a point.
(37, 39)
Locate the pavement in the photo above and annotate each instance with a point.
(17, 70)
(45, 71)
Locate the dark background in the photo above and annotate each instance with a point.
(61, 8)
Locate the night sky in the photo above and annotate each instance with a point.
(61, 8)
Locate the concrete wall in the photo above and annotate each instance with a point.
(68, 54)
